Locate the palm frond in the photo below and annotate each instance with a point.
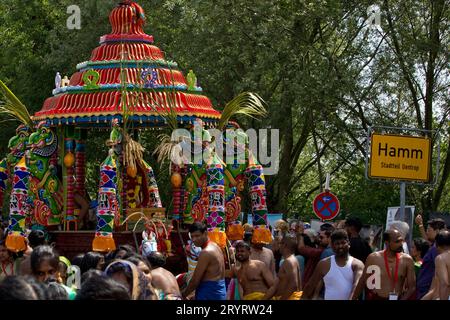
(12, 106)
(246, 103)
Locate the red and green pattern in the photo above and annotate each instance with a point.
(257, 189)
(216, 205)
(153, 190)
(19, 208)
(108, 205)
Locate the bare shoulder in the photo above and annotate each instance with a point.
(206, 253)
(258, 263)
(357, 264)
(374, 256)
(407, 258)
(324, 264)
(268, 251)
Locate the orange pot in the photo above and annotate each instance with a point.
(131, 171)
(69, 159)
(176, 180)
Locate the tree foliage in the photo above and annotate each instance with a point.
(325, 75)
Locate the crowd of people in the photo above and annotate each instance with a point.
(332, 263)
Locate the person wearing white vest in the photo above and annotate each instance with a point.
(340, 273)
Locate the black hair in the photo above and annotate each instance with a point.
(355, 223)
(39, 287)
(156, 259)
(421, 245)
(127, 248)
(16, 288)
(197, 226)
(122, 252)
(387, 234)
(248, 236)
(55, 291)
(41, 253)
(327, 228)
(437, 224)
(242, 243)
(290, 241)
(90, 261)
(307, 240)
(89, 274)
(36, 238)
(76, 261)
(443, 238)
(339, 234)
(135, 259)
(102, 288)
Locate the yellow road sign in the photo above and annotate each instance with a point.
(400, 157)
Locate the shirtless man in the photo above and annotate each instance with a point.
(255, 279)
(208, 279)
(394, 269)
(163, 280)
(261, 253)
(440, 287)
(340, 272)
(289, 281)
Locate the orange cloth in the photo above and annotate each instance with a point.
(262, 235)
(235, 232)
(296, 295)
(219, 237)
(103, 244)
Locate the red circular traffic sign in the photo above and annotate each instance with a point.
(326, 205)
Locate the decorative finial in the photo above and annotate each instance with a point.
(57, 81)
(191, 80)
(65, 81)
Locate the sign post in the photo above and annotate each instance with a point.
(326, 205)
(401, 158)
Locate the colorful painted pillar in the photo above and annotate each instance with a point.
(216, 204)
(122, 189)
(108, 206)
(4, 172)
(19, 209)
(80, 162)
(257, 190)
(177, 183)
(153, 191)
(69, 161)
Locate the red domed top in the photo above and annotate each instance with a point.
(126, 72)
(127, 18)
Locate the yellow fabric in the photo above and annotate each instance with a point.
(235, 232)
(296, 295)
(16, 242)
(254, 296)
(262, 235)
(103, 244)
(219, 237)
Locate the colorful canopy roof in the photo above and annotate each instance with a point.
(126, 72)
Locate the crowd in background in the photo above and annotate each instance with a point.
(331, 263)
